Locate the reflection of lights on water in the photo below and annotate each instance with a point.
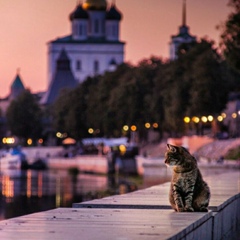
(7, 187)
(58, 192)
(40, 184)
(29, 183)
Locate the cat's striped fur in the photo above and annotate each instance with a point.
(188, 191)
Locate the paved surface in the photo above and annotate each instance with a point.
(222, 186)
(101, 224)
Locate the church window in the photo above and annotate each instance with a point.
(78, 65)
(96, 67)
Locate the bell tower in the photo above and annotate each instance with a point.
(183, 36)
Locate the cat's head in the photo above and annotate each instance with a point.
(176, 156)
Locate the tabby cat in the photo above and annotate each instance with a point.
(188, 191)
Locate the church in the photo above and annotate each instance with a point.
(182, 37)
(93, 46)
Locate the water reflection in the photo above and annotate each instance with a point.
(24, 192)
(30, 191)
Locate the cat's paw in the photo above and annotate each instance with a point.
(203, 209)
(188, 209)
(180, 210)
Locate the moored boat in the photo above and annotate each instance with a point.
(13, 159)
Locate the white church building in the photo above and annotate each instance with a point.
(93, 46)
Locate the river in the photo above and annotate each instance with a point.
(28, 191)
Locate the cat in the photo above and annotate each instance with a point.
(188, 191)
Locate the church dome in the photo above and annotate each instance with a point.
(78, 13)
(113, 13)
(95, 5)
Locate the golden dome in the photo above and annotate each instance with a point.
(95, 5)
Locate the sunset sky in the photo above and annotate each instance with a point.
(147, 25)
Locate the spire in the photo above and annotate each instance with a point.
(184, 13)
(17, 86)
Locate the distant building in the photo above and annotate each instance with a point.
(62, 79)
(93, 46)
(182, 37)
(16, 89)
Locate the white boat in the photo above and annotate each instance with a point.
(13, 159)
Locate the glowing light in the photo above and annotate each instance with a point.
(90, 131)
(196, 119)
(210, 118)
(220, 118)
(59, 135)
(187, 119)
(8, 140)
(29, 141)
(125, 128)
(122, 148)
(147, 125)
(133, 128)
(97, 131)
(234, 115)
(224, 115)
(204, 119)
(40, 141)
(155, 125)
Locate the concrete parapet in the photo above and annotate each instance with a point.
(220, 223)
(226, 220)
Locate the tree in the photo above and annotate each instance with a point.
(209, 89)
(230, 36)
(24, 117)
(174, 94)
(69, 111)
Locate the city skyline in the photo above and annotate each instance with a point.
(147, 27)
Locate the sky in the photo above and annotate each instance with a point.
(26, 26)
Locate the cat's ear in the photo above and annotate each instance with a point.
(185, 149)
(171, 148)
